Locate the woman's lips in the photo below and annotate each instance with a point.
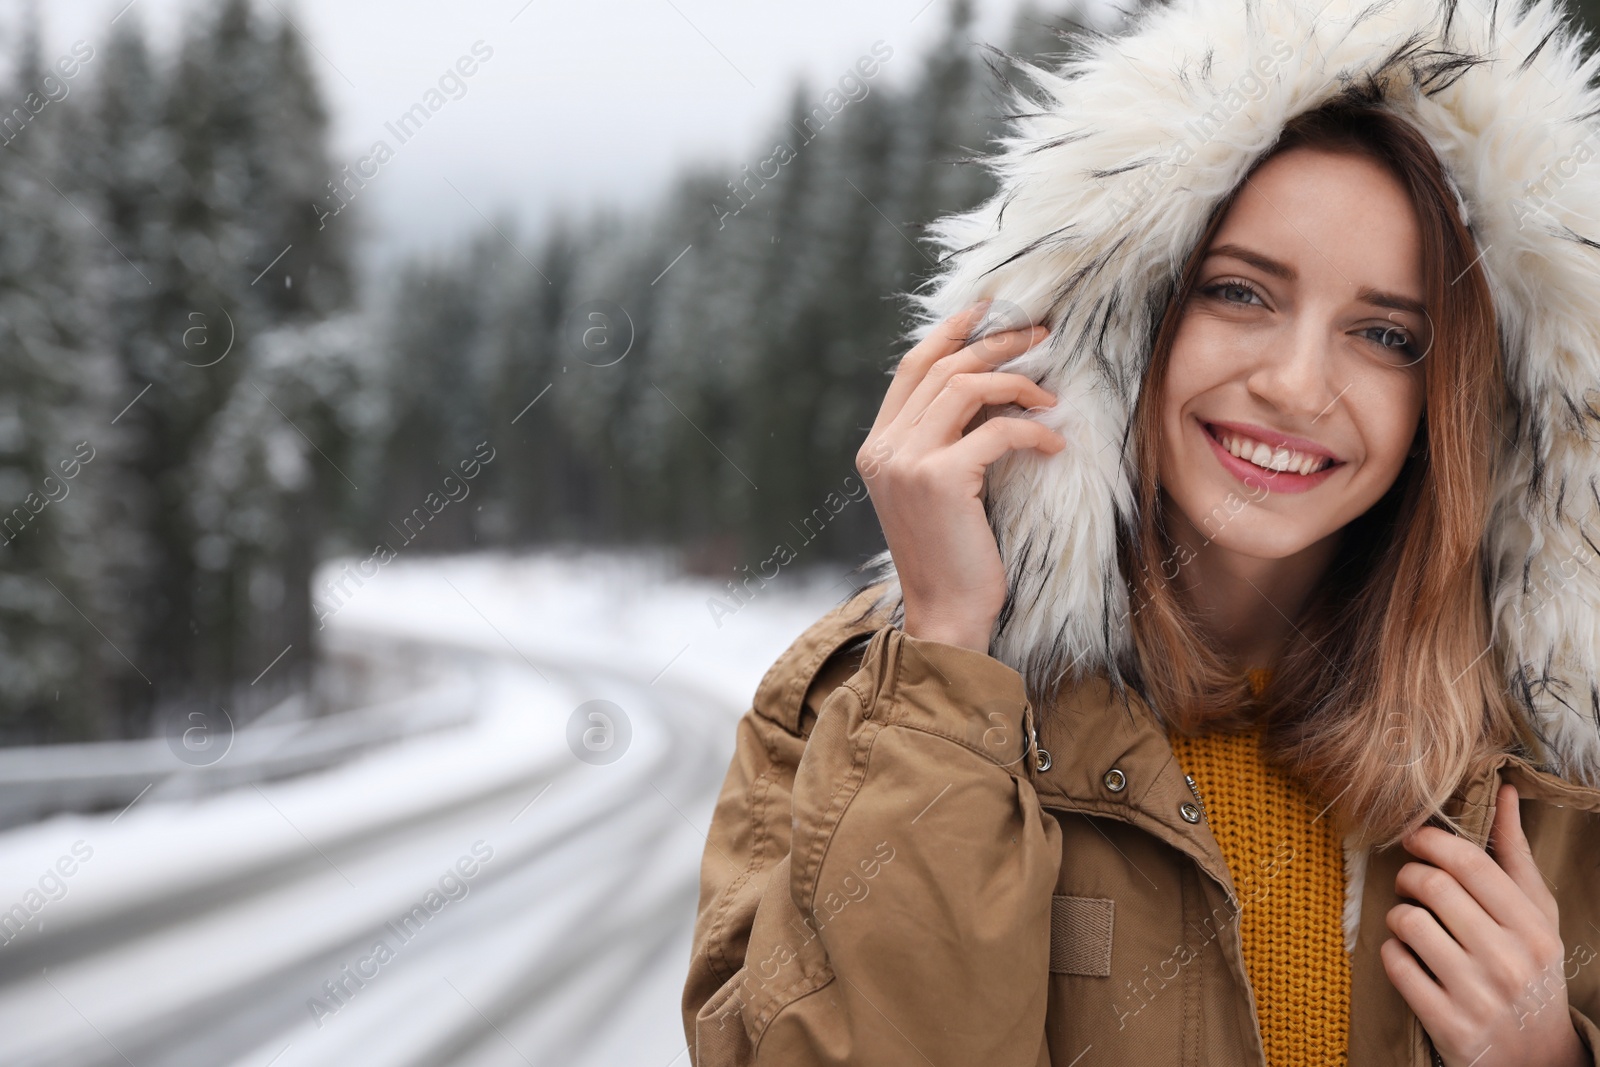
(1254, 476)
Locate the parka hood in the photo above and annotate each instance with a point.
(1110, 168)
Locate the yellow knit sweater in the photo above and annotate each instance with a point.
(1288, 870)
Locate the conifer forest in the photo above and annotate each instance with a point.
(201, 400)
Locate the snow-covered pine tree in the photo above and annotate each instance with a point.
(122, 167)
(206, 177)
(314, 278)
(278, 481)
(251, 131)
(61, 634)
(658, 415)
(439, 381)
(541, 488)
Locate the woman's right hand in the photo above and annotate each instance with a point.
(925, 472)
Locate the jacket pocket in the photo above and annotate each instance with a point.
(1080, 935)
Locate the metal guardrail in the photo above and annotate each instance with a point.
(40, 780)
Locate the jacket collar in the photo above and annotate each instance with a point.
(1473, 804)
(1109, 755)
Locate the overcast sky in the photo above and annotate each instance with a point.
(600, 100)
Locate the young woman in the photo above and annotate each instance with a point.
(1229, 693)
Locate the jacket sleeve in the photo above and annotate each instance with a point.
(879, 892)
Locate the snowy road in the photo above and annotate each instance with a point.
(476, 896)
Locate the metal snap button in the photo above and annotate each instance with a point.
(1115, 780)
(1041, 760)
(1189, 812)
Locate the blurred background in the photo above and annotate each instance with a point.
(421, 426)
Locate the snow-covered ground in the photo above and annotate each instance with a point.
(517, 889)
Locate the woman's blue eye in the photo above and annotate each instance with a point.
(1218, 289)
(1394, 338)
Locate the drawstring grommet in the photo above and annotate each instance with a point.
(1041, 760)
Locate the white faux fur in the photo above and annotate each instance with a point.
(1106, 181)
(1355, 883)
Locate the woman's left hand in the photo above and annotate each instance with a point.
(1492, 939)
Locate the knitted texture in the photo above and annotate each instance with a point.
(1288, 872)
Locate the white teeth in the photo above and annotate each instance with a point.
(1284, 459)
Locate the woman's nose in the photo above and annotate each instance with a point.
(1296, 373)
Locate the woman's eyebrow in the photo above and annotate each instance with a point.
(1268, 265)
(1392, 300)
(1255, 259)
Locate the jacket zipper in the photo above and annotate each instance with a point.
(1196, 791)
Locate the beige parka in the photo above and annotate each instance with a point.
(890, 879)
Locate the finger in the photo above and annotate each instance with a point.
(982, 356)
(1461, 916)
(1490, 886)
(1510, 849)
(1422, 933)
(947, 337)
(1427, 999)
(997, 346)
(1002, 434)
(964, 395)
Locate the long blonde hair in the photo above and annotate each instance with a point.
(1389, 692)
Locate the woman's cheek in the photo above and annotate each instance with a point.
(1393, 410)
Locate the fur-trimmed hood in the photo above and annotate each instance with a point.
(1107, 176)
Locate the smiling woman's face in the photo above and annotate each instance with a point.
(1300, 350)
